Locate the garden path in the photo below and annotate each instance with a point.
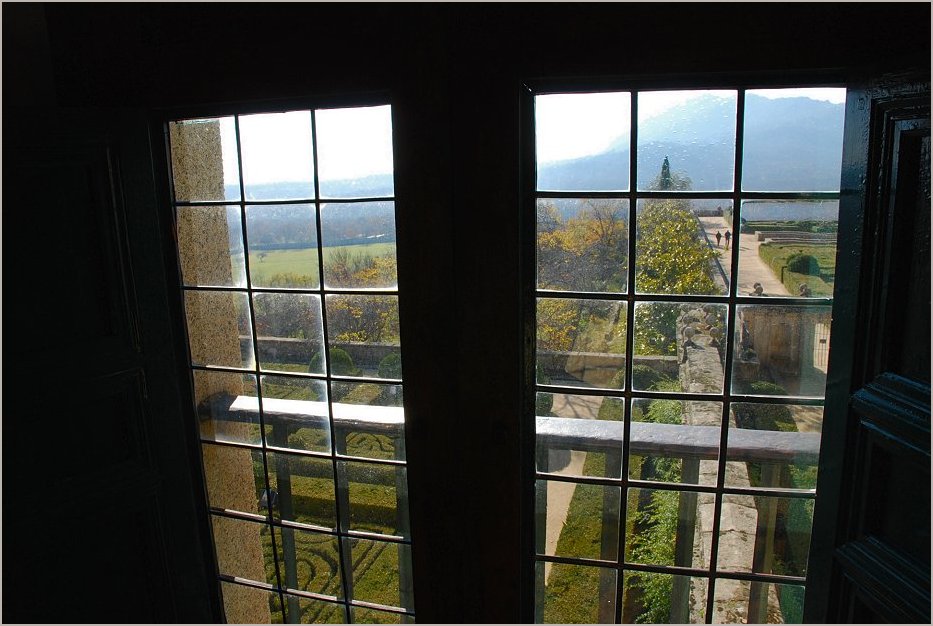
(560, 494)
(753, 269)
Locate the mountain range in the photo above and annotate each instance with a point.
(791, 144)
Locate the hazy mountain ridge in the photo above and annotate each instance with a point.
(791, 144)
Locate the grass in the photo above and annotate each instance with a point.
(265, 264)
(776, 255)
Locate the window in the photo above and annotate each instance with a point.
(286, 237)
(685, 256)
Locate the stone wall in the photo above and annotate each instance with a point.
(598, 368)
(288, 350)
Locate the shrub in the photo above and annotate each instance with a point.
(803, 264)
(341, 363)
(391, 366)
(644, 377)
(764, 416)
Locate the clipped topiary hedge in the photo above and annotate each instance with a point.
(803, 264)
(341, 363)
(391, 366)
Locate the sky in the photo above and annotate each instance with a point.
(357, 142)
(576, 125)
(352, 143)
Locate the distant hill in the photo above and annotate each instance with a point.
(791, 144)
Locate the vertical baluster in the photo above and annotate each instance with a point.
(283, 472)
(763, 557)
(542, 456)
(683, 548)
(609, 542)
(406, 593)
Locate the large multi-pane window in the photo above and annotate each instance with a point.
(685, 262)
(285, 226)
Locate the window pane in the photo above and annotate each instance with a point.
(575, 594)
(377, 496)
(303, 489)
(369, 419)
(295, 412)
(781, 350)
(309, 561)
(569, 443)
(381, 572)
(694, 131)
(582, 244)
(372, 616)
(679, 347)
(651, 598)
(214, 228)
(214, 392)
(581, 520)
(244, 549)
(302, 610)
(236, 495)
(219, 331)
(793, 139)
(774, 604)
(581, 343)
(788, 248)
(675, 441)
(673, 254)
(204, 160)
(765, 535)
(362, 331)
(582, 141)
(774, 445)
(282, 245)
(359, 244)
(290, 336)
(249, 605)
(355, 152)
(663, 529)
(278, 156)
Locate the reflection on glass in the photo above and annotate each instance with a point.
(282, 246)
(774, 445)
(296, 413)
(219, 462)
(210, 246)
(302, 489)
(765, 535)
(664, 524)
(694, 131)
(212, 315)
(289, 332)
(278, 157)
(214, 392)
(582, 141)
(742, 602)
(676, 251)
(244, 549)
(359, 245)
(355, 152)
(590, 528)
(249, 605)
(375, 494)
(582, 244)
(669, 334)
(788, 248)
(606, 415)
(778, 123)
(301, 610)
(309, 561)
(652, 423)
(381, 572)
(204, 160)
(581, 343)
(650, 598)
(575, 594)
(781, 350)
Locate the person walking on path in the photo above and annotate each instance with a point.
(728, 236)
(718, 238)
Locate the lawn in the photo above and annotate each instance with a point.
(303, 262)
(776, 255)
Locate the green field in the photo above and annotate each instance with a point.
(776, 255)
(265, 264)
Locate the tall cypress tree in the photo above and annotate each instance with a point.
(666, 182)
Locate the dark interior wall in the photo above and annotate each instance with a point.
(453, 73)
